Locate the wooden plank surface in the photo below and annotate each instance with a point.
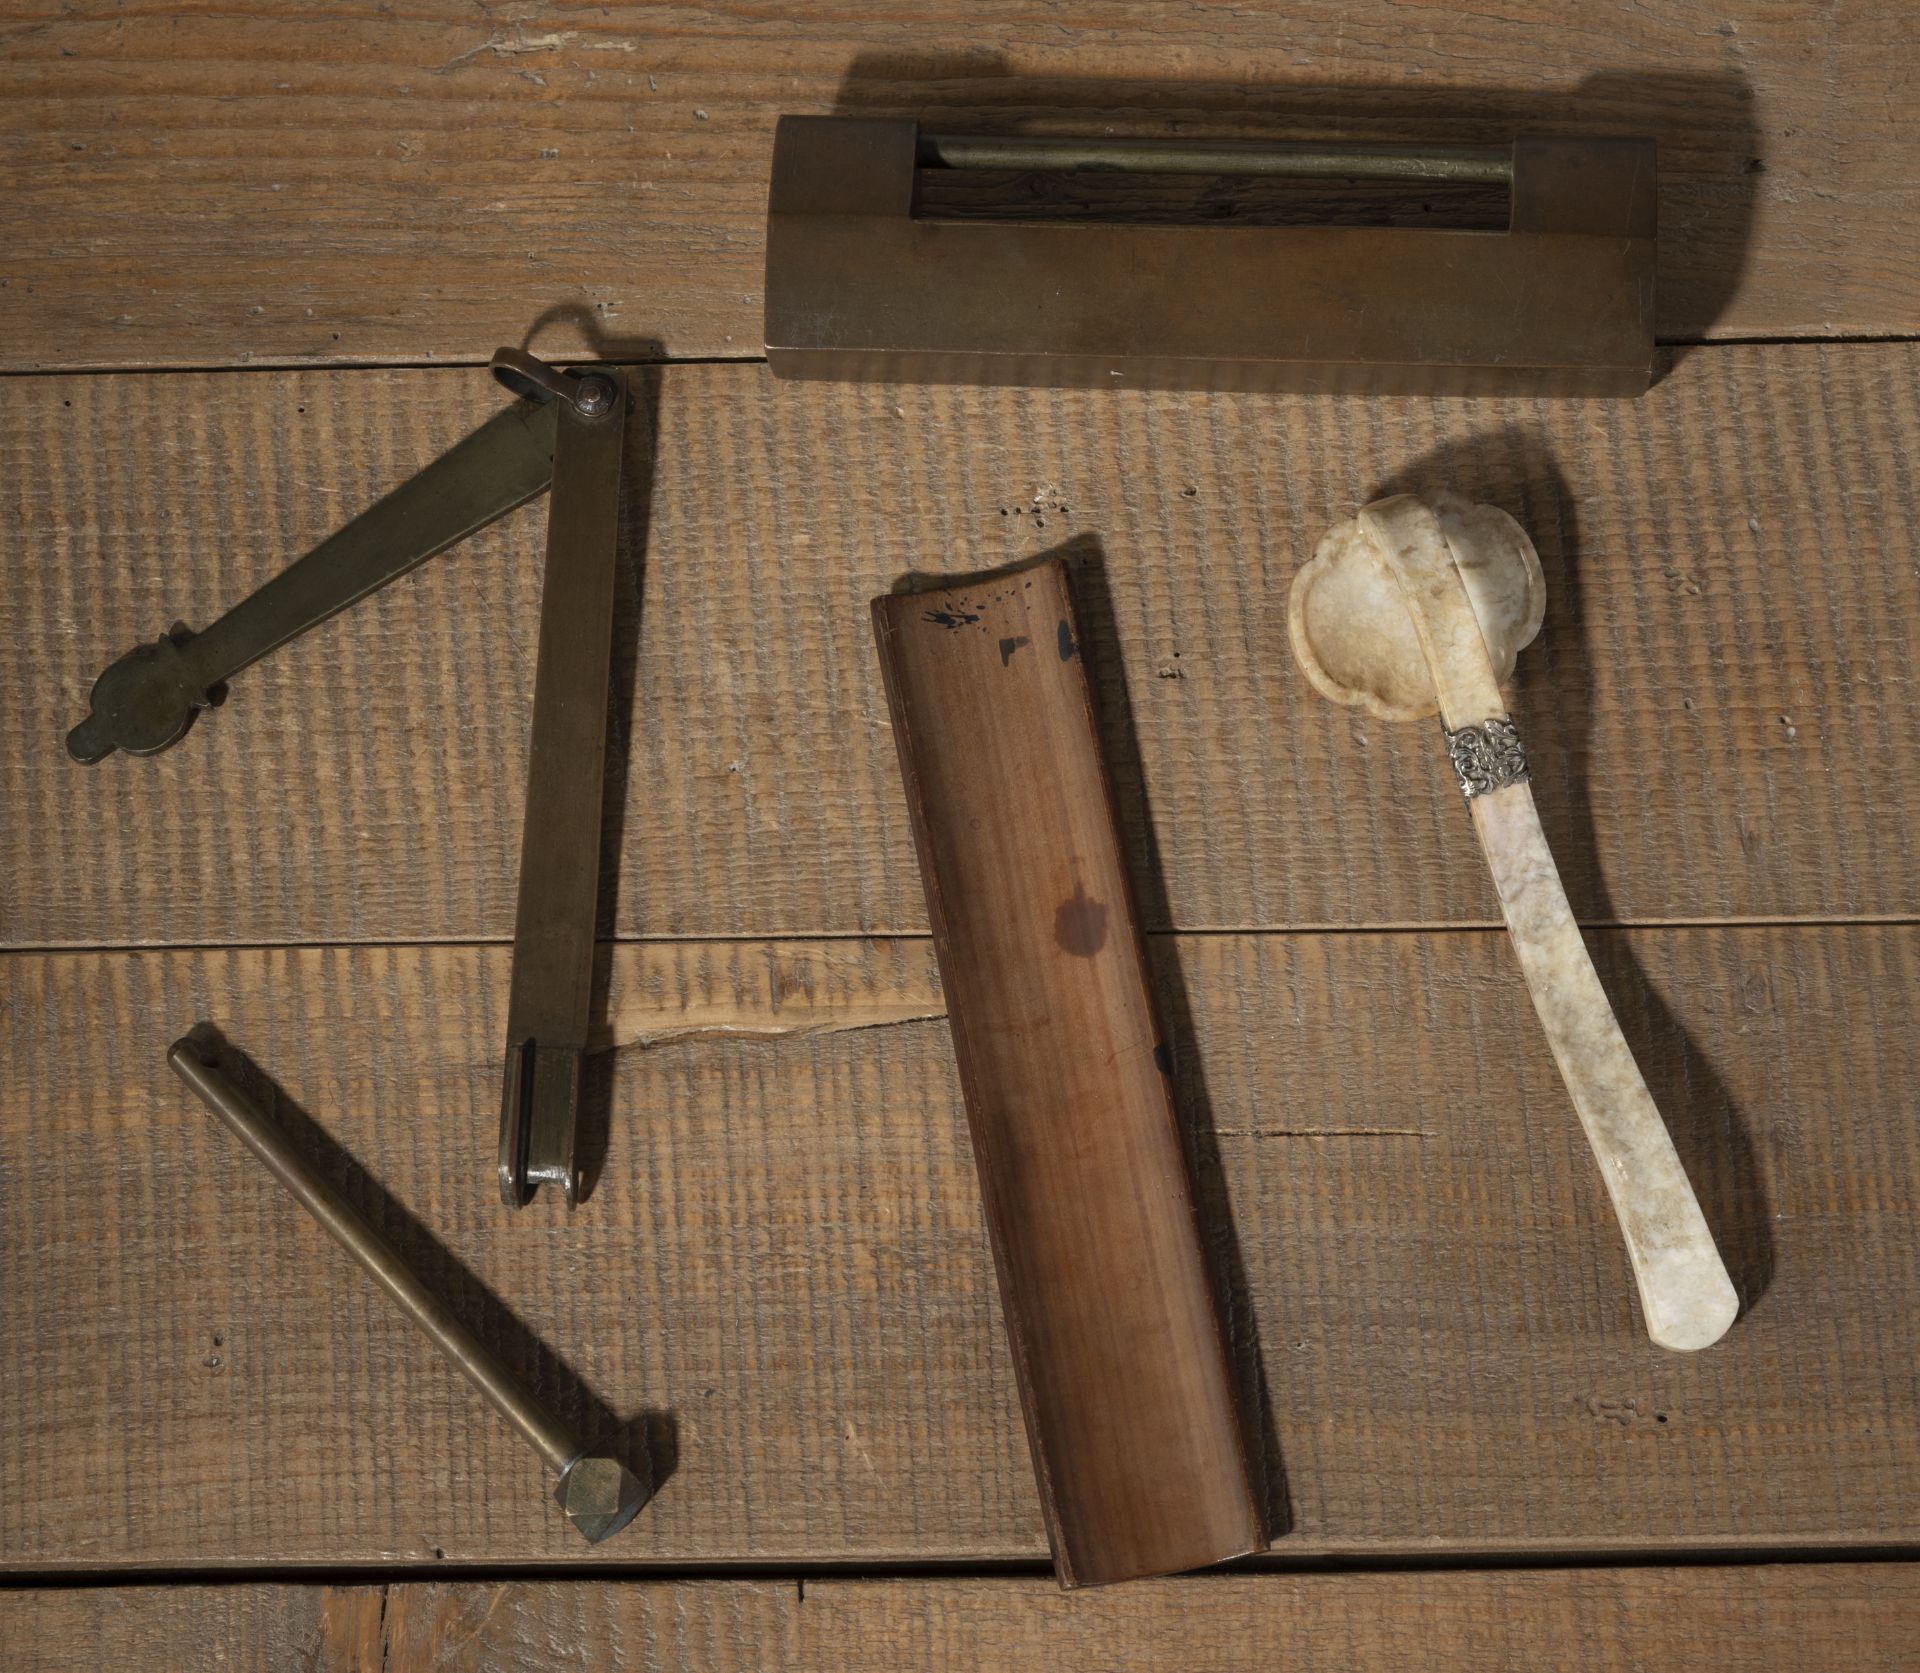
(780, 1285)
(1722, 708)
(1762, 1619)
(238, 1629)
(779, 1290)
(1730, 1619)
(199, 185)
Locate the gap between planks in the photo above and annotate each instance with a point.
(78, 949)
(1546, 1557)
(143, 369)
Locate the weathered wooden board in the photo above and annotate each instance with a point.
(780, 1287)
(199, 186)
(175, 1629)
(1735, 1619)
(1760, 1619)
(780, 1284)
(1722, 708)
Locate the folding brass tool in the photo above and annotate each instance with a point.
(567, 432)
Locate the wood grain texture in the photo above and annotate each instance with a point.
(1761, 1619)
(1729, 1619)
(203, 186)
(1066, 1069)
(643, 1628)
(781, 1283)
(1722, 709)
(185, 1629)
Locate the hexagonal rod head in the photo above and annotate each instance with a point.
(600, 1496)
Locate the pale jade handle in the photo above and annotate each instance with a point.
(1685, 1292)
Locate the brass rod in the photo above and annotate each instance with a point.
(376, 1257)
(599, 1494)
(1480, 165)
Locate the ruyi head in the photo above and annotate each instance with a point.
(143, 702)
(1348, 615)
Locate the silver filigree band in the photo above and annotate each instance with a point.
(1487, 757)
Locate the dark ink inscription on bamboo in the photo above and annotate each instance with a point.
(1116, 1338)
